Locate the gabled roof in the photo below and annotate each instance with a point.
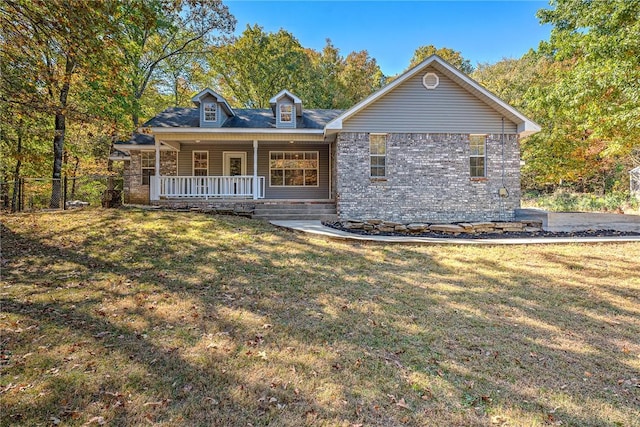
(225, 105)
(285, 93)
(525, 126)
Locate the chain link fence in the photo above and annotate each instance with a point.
(32, 194)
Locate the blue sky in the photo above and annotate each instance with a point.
(484, 31)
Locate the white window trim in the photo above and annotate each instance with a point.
(193, 161)
(484, 156)
(378, 155)
(142, 168)
(215, 111)
(291, 113)
(226, 155)
(317, 169)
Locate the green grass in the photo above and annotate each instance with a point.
(566, 201)
(129, 317)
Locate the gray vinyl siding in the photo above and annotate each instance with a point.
(411, 108)
(185, 166)
(185, 157)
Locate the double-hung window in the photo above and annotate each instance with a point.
(148, 165)
(477, 157)
(210, 112)
(286, 113)
(378, 154)
(200, 163)
(293, 168)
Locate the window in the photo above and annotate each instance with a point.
(477, 144)
(148, 165)
(286, 113)
(293, 168)
(378, 154)
(200, 163)
(210, 112)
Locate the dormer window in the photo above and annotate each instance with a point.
(286, 113)
(210, 112)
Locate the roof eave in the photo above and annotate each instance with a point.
(161, 130)
(528, 128)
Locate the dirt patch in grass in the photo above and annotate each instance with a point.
(134, 317)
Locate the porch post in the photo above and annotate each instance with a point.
(256, 186)
(155, 188)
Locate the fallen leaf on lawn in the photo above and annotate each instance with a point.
(267, 326)
(402, 404)
(496, 419)
(55, 420)
(263, 355)
(211, 400)
(158, 403)
(98, 420)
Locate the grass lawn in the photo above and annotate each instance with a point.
(128, 317)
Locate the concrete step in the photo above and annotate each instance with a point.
(309, 216)
(293, 211)
(311, 206)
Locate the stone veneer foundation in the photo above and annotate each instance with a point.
(135, 191)
(428, 179)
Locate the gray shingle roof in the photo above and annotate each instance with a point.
(139, 139)
(244, 118)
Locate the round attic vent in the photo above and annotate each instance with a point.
(430, 81)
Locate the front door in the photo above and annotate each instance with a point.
(234, 164)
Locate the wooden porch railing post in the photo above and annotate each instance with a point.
(255, 169)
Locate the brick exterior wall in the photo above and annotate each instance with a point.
(137, 193)
(428, 179)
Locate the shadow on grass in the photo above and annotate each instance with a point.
(221, 321)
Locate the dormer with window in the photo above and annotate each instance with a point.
(213, 109)
(287, 108)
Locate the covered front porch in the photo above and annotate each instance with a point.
(229, 167)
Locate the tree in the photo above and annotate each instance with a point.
(47, 45)
(157, 30)
(328, 66)
(361, 76)
(596, 45)
(257, 65)
(454, 57)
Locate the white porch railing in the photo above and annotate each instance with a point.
(210, 186)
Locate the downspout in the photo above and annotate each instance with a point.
(330, 172)
(503, 192)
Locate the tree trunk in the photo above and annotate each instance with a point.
(135, 119)
(58, 150)
(16, 172)
(58, 138)
(74, 176)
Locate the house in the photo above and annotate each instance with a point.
(431, 146)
